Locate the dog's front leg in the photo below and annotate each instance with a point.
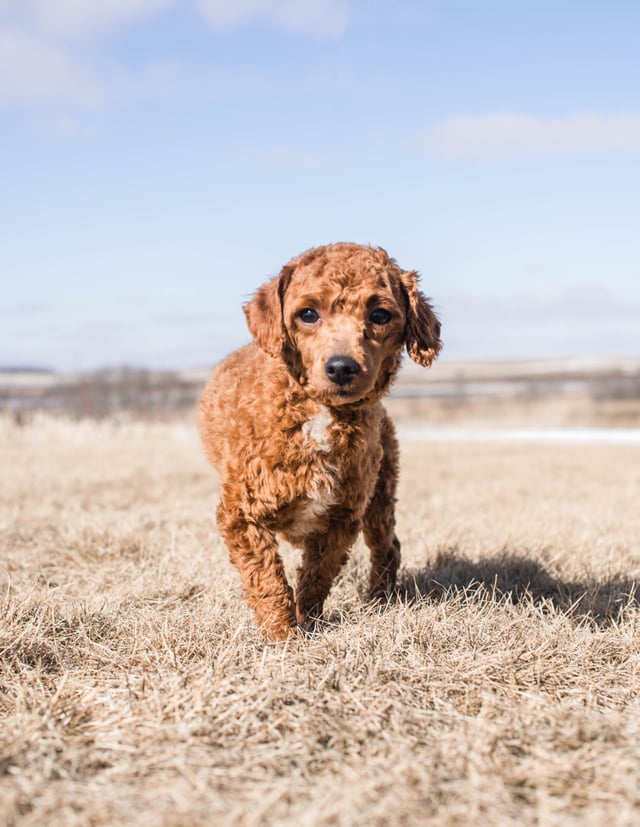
(322, 558)
(253, 549)
(379, 520)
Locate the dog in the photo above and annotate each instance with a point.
(294, 425)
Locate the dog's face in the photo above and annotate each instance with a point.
(339, 316)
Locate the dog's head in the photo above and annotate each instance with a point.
(339, 316)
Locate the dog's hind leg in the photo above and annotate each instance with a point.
(379, 519)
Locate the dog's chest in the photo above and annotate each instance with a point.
(336, 471)
(317, 430)
(316, 476)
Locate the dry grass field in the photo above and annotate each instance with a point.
(501, 687)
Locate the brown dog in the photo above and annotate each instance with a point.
(294, 425)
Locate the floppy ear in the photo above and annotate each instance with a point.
(264, 314)
(423, 328)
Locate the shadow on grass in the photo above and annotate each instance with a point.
(518, 578)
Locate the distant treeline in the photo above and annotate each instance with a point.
(100, 394)
(151, 394)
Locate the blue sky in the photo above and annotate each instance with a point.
(160, 158)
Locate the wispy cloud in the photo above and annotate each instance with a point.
(81, 18)
(44, 56)
(490, 136)
(319, 18)
(183, 80)
(26, 309)
(73, 19)
(578, 320)
(293, 159)
(588, 302)
(34, 70)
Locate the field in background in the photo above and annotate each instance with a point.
(552, 393)
(575, 393)
(501, 687)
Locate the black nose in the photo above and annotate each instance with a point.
(341, 369)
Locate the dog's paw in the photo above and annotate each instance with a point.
(308, 626)
(279, 632)
(381, 596)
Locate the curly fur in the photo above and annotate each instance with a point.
(300, 455)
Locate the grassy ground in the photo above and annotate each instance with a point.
(501, 688)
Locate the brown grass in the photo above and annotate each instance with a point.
(500, 688)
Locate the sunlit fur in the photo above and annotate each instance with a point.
(301, 457)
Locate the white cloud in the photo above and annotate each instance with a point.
(34, 70)
(43, 55)
(223, 14)
(66, 126)
(583, 319)
(320, 18)
(506, 134)
(586, 302)
(79, 18)
(39, 65)
(293, 159)
(180, 81)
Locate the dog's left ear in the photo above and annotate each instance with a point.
(264, 314)
(423, 327)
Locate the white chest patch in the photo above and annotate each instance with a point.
(318, 429)
(307, 517)
(319, 494)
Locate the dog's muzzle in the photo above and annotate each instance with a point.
(341, 369)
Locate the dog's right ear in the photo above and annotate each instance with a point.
(264, 313)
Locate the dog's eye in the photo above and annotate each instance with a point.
(380, 316)
(308, 315)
